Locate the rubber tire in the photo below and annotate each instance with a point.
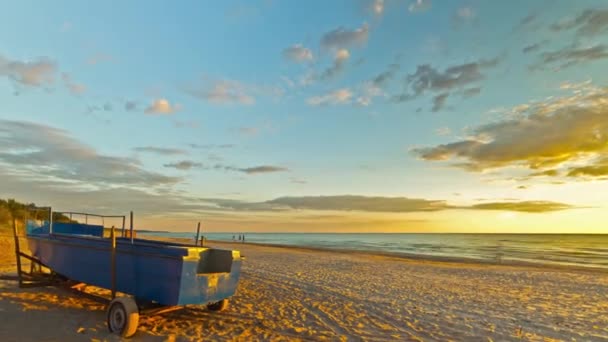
(218, 306)
(130, 313)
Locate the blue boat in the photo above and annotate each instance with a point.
(149, 271)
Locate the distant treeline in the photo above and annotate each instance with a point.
(10, 208)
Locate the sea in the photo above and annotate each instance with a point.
(578, 250)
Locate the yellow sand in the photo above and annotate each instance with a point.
(296, 294)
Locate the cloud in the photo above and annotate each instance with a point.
(464, 15)
(383, 204)
(590, 22)
(264, 169)
(367, 92)
(342, 38)
(340, 58)
(37, 73)
(47, 153)
(254, 170)
(570, 133)
(382, 79)
(297, 180)
(224, 91)
(573, 55)
(341, 203)
(597, 168)
(533, 47)
(439, 101)
(162, 106)
(524, 206)
(184, 165)
(166, 151)
(130, 106)
(527, 20)
(298, 53)
(429, 79)
(210, 146)
(417, 6)
(470, 92)
(73, 87)
(340, 96)
(547, 173)
(377, 6)
(443, 131)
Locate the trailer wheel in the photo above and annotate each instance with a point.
(123, 316)
(218, 306)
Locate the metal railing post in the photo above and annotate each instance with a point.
(50, 220)
(198, 233)
(122, 233)
(113, 261)
(131, 228)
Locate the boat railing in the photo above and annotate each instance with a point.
(56, 222)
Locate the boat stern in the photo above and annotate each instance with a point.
(209, 275)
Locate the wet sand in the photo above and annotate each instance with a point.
(311, 295)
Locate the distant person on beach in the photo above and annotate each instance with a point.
(233, 238)
(243, 238)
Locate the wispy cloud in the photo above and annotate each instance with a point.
(130, 106)
(533, 47)
(340, 96)
(211, 146)
(264, 169)
(439, 101)
(74, 87)
(162, 106)
(298, 53)
(443, 131)
(590, 22)
(37, 73)
(377, 6)
(225, 91)
(342, 38)
(464, 15)
(167, 151)
(184, 165)
(417, 6)
(383, 78)
(524, 206)
(340, 58)
(470, 92)
(572, 55)
(383, 204)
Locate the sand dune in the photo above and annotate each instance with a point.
(295, 294)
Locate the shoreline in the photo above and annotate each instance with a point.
(411, 257)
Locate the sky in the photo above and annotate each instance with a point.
(311, 116)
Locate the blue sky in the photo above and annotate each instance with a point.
(251, 101)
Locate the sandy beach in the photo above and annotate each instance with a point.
(298, 294)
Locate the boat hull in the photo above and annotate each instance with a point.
(164, 273)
